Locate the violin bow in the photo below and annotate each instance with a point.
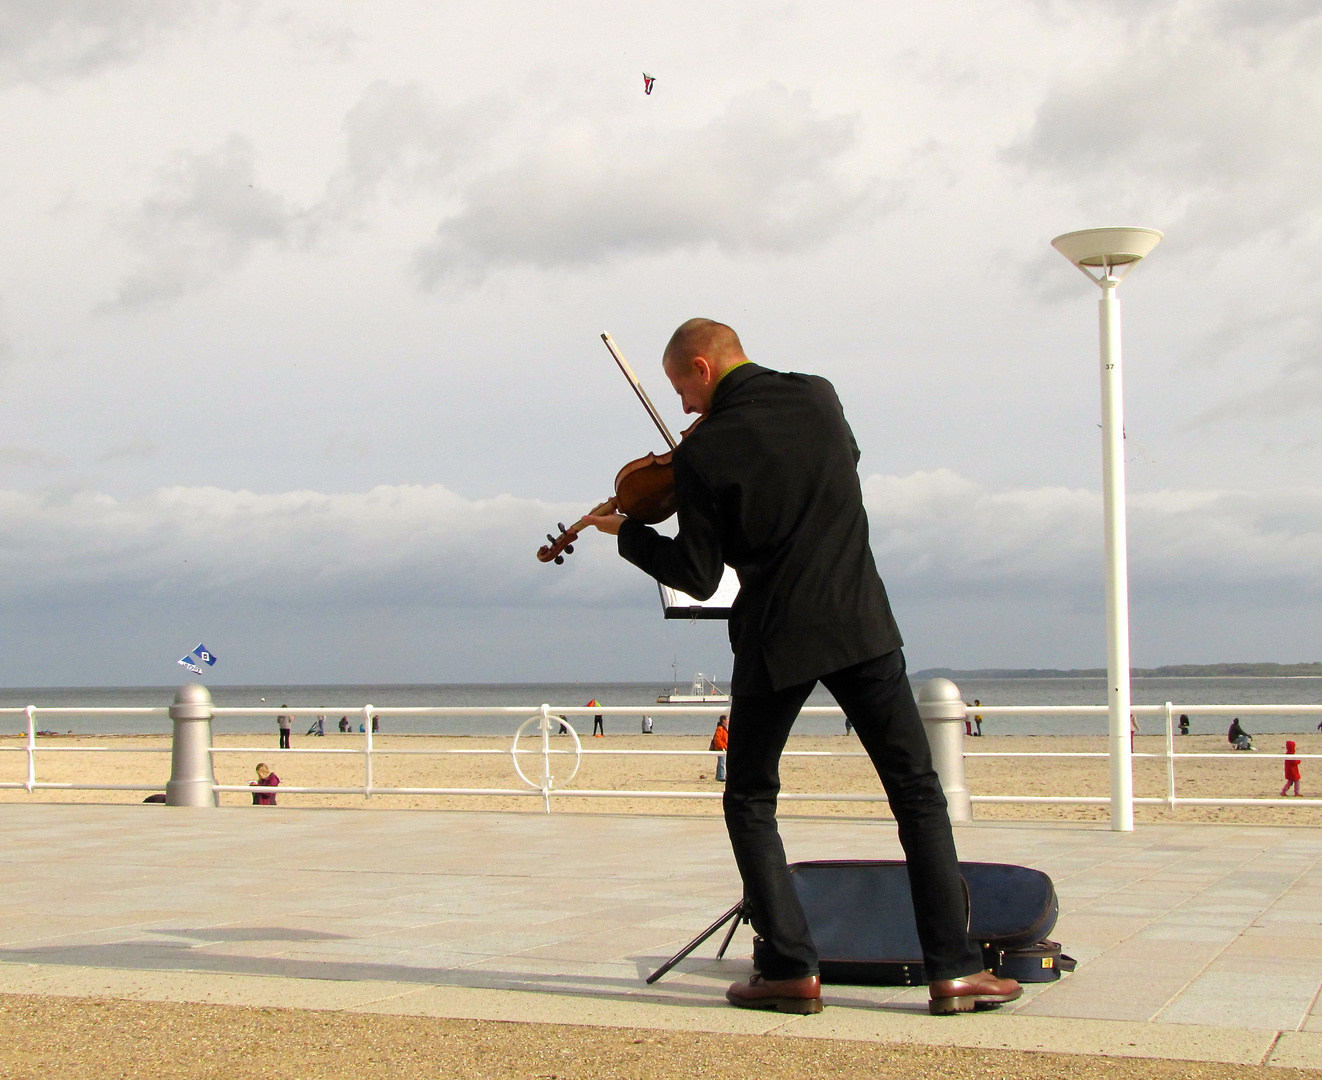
(557, 548)
(638, 389)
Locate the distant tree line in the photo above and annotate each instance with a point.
(1169, 671)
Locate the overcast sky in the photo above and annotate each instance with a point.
(299, 308)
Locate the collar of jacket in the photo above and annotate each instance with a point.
(734, 378)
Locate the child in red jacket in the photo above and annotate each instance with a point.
(265, 779)
(1291, 771)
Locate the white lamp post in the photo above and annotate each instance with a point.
(1107, 256)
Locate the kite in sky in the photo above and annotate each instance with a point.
(648, 81)
(200, 655)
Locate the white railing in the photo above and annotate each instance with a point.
(1167, 712)
(30, 747)
(546, 718)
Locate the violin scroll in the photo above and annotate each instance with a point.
(557, 547)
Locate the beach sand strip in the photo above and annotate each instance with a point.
(103, 1038)
(1226, 774)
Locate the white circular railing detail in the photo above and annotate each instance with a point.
(547, 782)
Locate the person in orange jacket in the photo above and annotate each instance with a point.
(720, 740)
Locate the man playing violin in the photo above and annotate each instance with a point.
(768, 483)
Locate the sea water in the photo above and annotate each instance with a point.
(307, 702)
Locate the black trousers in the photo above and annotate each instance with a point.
(876, 698)
(284, 738)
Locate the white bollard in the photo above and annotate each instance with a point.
(943, 712)
(192, 778)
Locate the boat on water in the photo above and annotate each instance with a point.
(703, 692)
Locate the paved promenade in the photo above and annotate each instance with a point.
(1199, 942)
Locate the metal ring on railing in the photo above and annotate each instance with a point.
(545, 783)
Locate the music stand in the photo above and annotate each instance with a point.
(739, 913)
(680, 605)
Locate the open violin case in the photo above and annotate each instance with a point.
(861, 917)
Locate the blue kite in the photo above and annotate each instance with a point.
(200, 655)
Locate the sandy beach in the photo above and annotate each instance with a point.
(145, 760)
(100, 1038)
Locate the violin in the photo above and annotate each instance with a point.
(644, 491)
(644, 488)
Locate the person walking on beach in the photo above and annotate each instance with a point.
(768, 483)
(647, 725)
(265, 779)
(720, 742)
(598, 728)
(284, 722)
(977, 720)
(1184, 723)
(1291, 771)
(344, 724)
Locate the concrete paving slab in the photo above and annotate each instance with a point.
(470, 1003)
(201, 987)
(526, 916)
(608, 944)
(1297, 1050)
(1260, 942)
(1277, 1001)
(1131, 998)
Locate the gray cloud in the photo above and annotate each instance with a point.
(1207, 116)
(764, 176)
(1270, 17)
(1293, 391)
(44, 39)
(22, 457)
(210, 212)
(1288, 327)
(208, 215)
(135, 449)
(401, 134)
(936, 535)
(403, 545)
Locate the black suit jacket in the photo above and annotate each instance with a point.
(768, 483)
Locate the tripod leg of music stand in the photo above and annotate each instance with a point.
(733, 913)
(743, 915)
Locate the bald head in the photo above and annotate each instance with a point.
(707, 338)
(699, 353)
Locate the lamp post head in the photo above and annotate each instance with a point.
(1106, 256)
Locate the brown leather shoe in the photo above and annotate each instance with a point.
(802, 996)
(981, 990)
